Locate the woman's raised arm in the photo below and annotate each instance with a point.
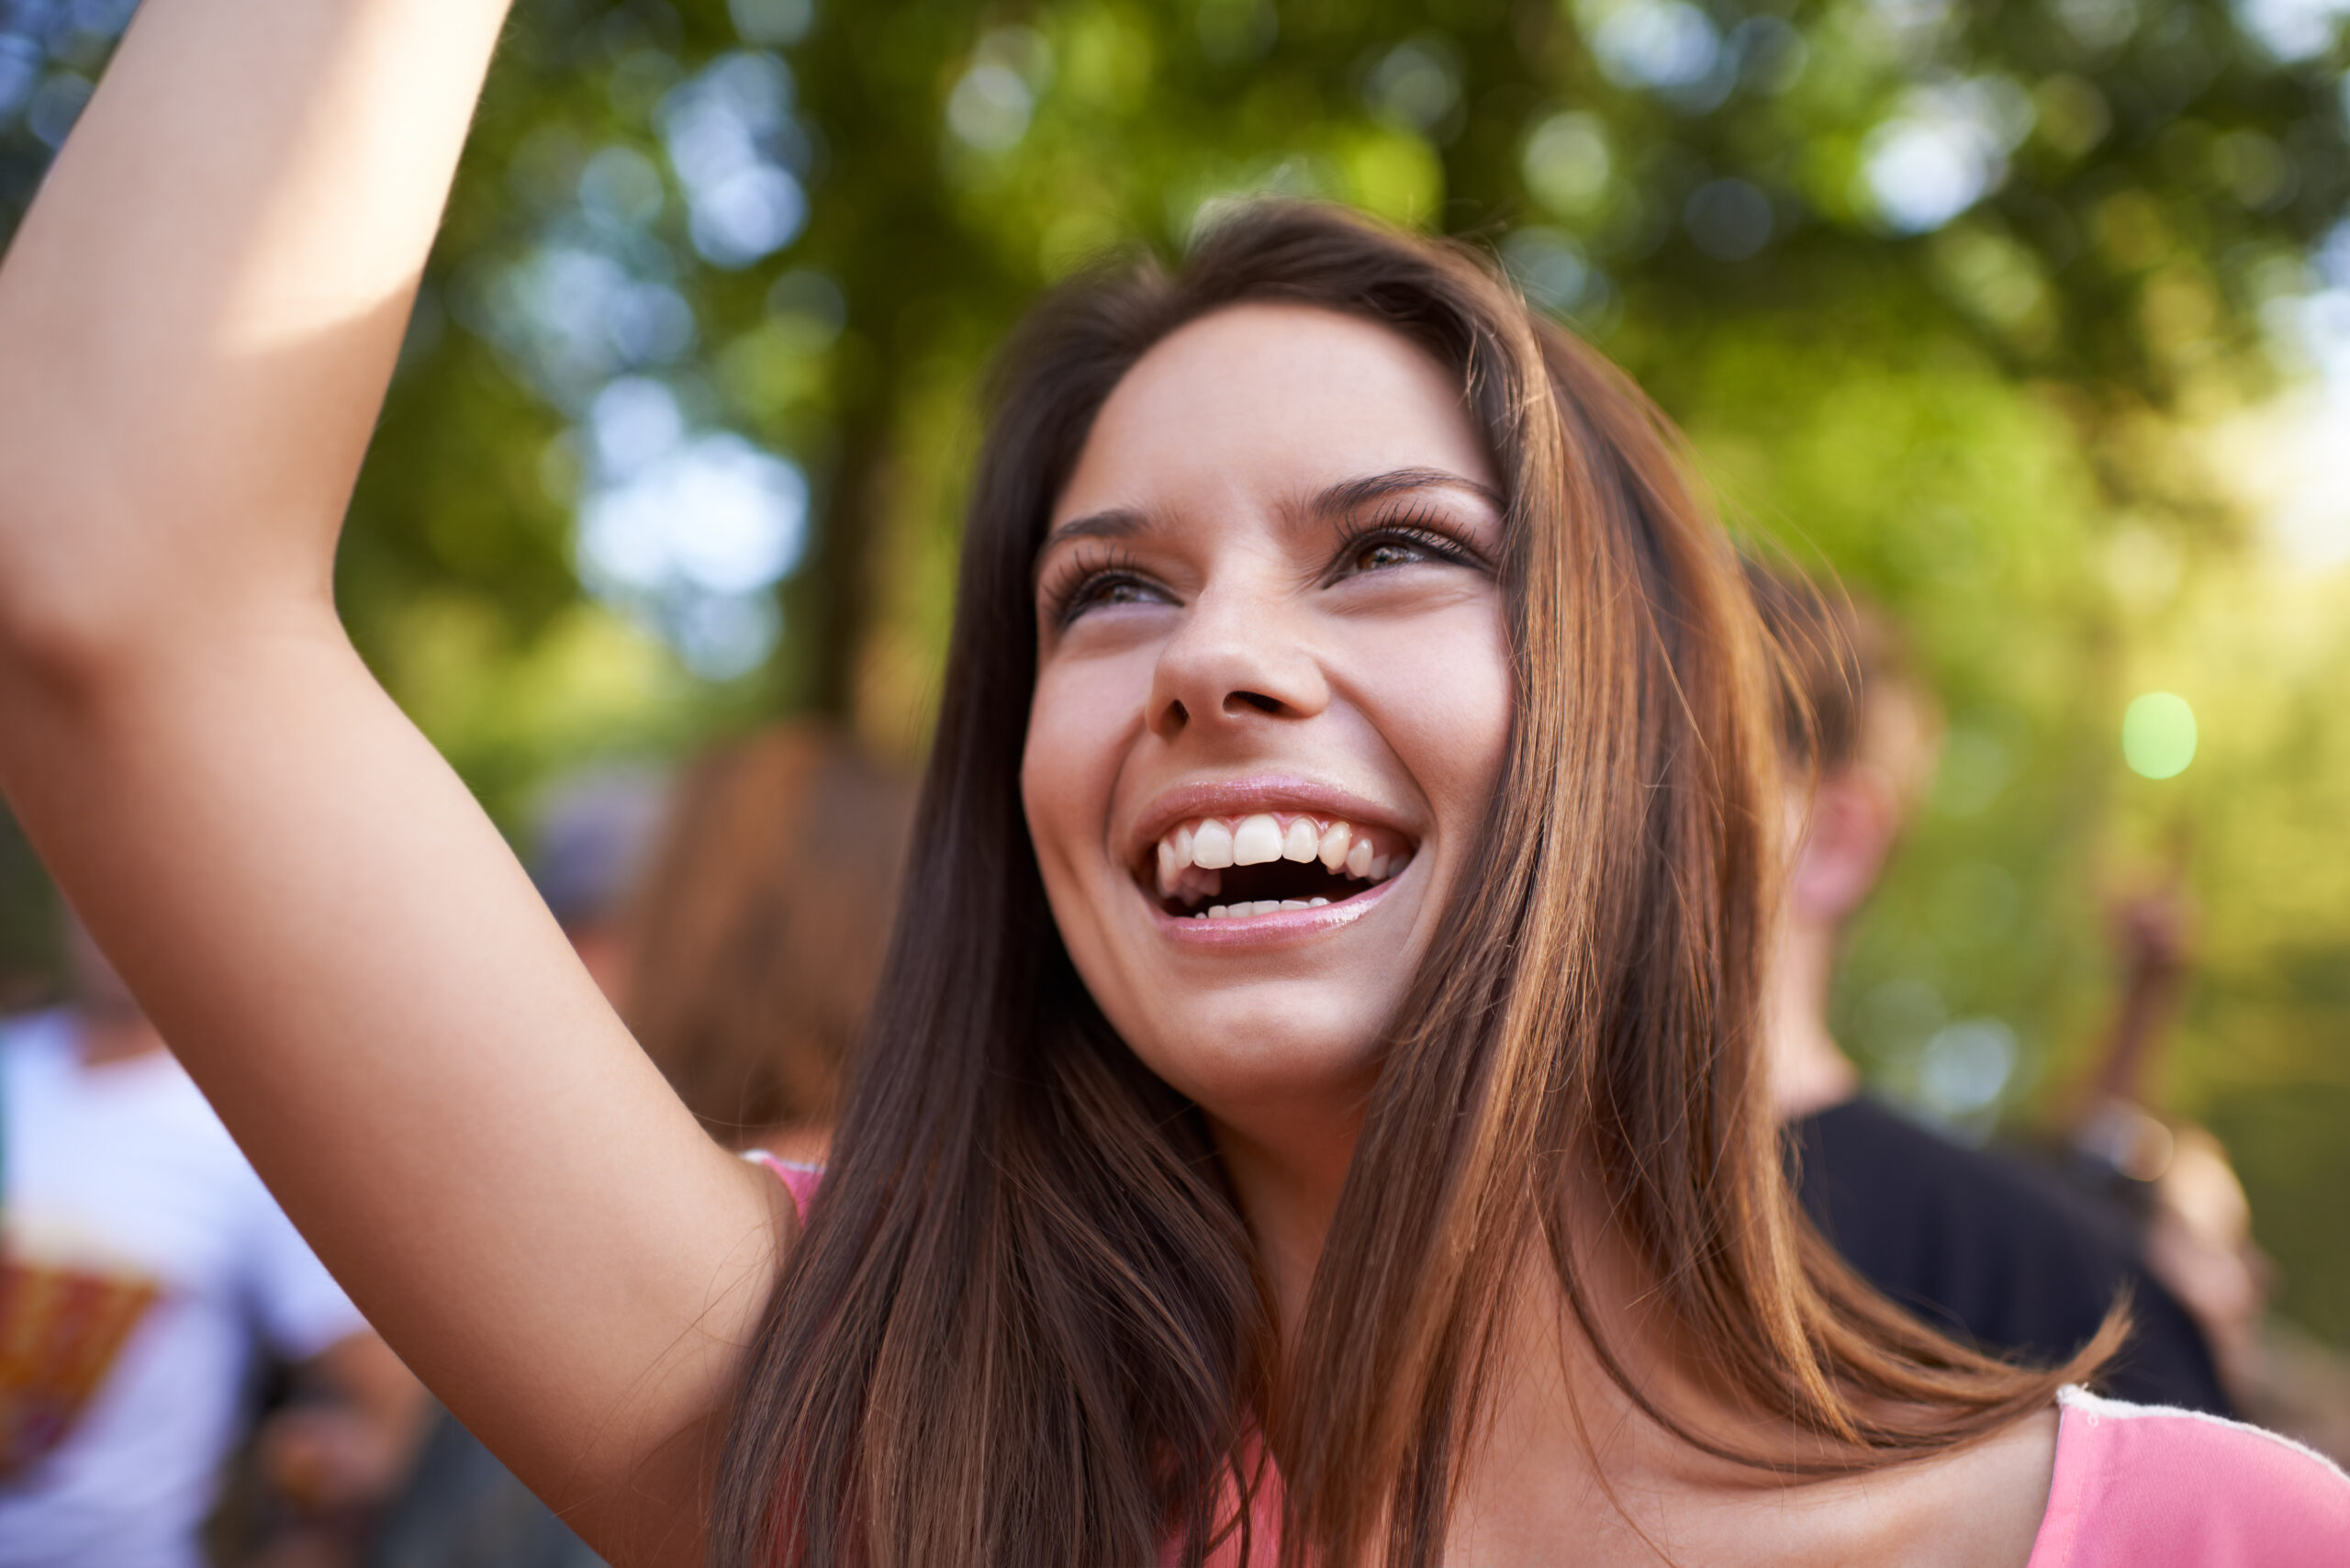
(197, 320)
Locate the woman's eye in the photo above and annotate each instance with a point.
(1110, 588)
(1378, 551)
(1387, 553)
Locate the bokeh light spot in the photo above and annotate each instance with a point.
(19, 69)
(1566, 164)
(1945, 152)
(1965, 1068)
(1651, 43)
(2158, 735)
(56, 105)
(1417, 85)
(730, 135)
(772, 21)
(989, 107)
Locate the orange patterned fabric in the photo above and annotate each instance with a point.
(61, 1332)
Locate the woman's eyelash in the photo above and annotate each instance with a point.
(1072, 585)
(1419, 529)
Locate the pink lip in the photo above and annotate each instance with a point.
(1280, 928)
(1266, 792)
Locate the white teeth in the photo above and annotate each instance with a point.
(1215, 843)
(1257, 840)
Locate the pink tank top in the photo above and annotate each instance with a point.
(2142, 1487)
(800, 1180)
(2135, 1486)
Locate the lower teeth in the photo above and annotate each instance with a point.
(1260, 906)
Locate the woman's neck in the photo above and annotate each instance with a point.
(1288, 1180)
(1566, 1452)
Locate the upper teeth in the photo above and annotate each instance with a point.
(1211, 843)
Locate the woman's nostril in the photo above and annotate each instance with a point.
(1257, 699)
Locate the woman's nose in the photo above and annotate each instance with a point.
(1237, 660)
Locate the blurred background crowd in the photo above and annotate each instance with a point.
(2026, 324)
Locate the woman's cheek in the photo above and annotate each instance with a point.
(1084, 713)
(1446, 697)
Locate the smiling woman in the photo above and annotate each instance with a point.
(1329, 980)
(1420, 1206)
(1293, 653)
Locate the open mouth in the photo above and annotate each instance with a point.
(1231, 867)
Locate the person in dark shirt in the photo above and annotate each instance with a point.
(1983, 1246)
(1977, 1243)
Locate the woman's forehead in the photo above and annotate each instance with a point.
(1267, 398)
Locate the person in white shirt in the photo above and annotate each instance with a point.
(143, 1269)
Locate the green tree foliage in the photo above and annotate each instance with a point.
(1956, 301)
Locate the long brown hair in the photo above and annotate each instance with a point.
(1024, 1325)
(756, 932)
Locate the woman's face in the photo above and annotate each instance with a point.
(1272, 699)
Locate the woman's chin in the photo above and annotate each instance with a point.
(1271, 1019)
(1282, 1048)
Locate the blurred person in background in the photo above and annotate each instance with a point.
(145, 1274)
(2175, 1180)
(2171, 1179)
(757, 935)
(1979, 1244)
(594, 834)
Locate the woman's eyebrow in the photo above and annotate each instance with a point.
(1347, 493)
(1118, 523)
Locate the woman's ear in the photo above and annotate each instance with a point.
(1853, 820)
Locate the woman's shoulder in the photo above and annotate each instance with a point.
(2153, 1487)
